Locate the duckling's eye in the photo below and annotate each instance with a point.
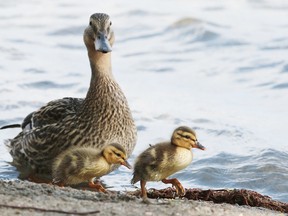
(118, 155)
(110, 23)
(187, 137)
(90, 23)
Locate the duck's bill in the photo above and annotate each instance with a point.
(199, 146)
(102, 43)
(126, 164)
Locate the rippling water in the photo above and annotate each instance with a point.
(218, 66)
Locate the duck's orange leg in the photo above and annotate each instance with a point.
(178, 186)
(97, 185)
(143, 189)
(144, 192)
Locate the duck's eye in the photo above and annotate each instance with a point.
(90, 23)
(110, 23)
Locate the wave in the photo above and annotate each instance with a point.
(265, 172)
(47, 85)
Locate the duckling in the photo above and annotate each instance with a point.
(164, 159)
(101, 118)
(77, 165)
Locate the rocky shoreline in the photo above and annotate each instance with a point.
(27, 198)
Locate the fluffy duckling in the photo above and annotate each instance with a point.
(77, 165)
(164, 159)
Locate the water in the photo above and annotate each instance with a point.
(218, 66)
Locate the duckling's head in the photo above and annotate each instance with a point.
(116, 154)
(99, 33)
(185, 137)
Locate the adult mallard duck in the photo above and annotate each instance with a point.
(164, 159)
(80, 164)
(101, 118)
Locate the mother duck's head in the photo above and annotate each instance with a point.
(99, 34)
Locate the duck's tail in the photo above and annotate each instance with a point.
(10, 126)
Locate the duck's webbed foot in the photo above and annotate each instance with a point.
(180, 190)
(97, 186)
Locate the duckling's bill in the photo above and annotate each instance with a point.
(200, 146)
(126, 164)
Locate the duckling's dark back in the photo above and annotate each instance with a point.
(151, 159)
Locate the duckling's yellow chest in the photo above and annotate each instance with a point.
(172, 163)
(182, 158)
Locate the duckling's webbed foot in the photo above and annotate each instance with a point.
(97, 185)
(180, 190)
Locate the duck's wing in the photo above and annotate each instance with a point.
(37, 147)
(51, 113)
(55, 111)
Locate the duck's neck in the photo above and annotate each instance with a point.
(100, 84)
(101, 72)
(100, 65)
